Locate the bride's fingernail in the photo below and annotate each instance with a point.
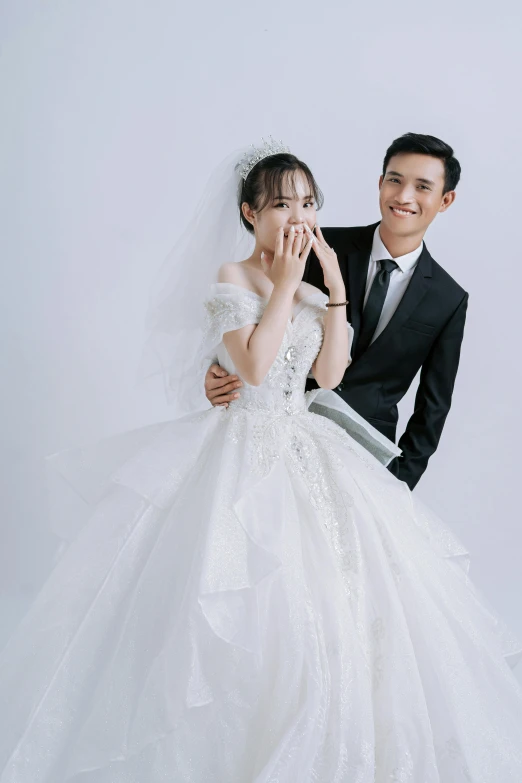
(262, 255)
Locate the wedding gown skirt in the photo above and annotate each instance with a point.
(255, 598)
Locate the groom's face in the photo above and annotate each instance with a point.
(411, 193)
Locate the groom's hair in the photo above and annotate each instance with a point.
(426, 145)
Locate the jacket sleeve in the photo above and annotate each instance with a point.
(432, 402)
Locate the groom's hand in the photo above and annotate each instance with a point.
(220, 387)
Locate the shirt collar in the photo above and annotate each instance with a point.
(405, 263)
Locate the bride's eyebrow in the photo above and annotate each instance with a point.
(293, 198)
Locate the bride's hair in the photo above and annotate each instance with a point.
(266, 180)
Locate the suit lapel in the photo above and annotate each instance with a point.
(357, 262)
(417, 288)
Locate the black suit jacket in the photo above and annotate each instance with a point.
(425, 332)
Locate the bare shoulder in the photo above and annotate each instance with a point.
(306, 289)
(232, 272)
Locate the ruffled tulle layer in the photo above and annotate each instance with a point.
(256, 599)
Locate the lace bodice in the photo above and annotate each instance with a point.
(283, 390)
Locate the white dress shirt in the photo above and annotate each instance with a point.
(399, 278)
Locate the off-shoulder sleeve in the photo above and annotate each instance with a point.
(228, 307)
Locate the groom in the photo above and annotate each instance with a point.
(407, 313)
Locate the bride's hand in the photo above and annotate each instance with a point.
(333, 278)
(287, 267)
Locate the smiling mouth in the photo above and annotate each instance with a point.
(402, 212)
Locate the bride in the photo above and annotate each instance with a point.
(253, 597)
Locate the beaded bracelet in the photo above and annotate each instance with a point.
(336, 304)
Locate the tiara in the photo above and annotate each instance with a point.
(256, 154)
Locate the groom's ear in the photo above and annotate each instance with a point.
(447, 200)
(381, 178)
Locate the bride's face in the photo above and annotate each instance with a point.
(295, 206)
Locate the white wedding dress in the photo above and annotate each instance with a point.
(255, 598)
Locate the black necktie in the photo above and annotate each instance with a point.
(373, 307)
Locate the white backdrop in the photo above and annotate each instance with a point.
(113, 114)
